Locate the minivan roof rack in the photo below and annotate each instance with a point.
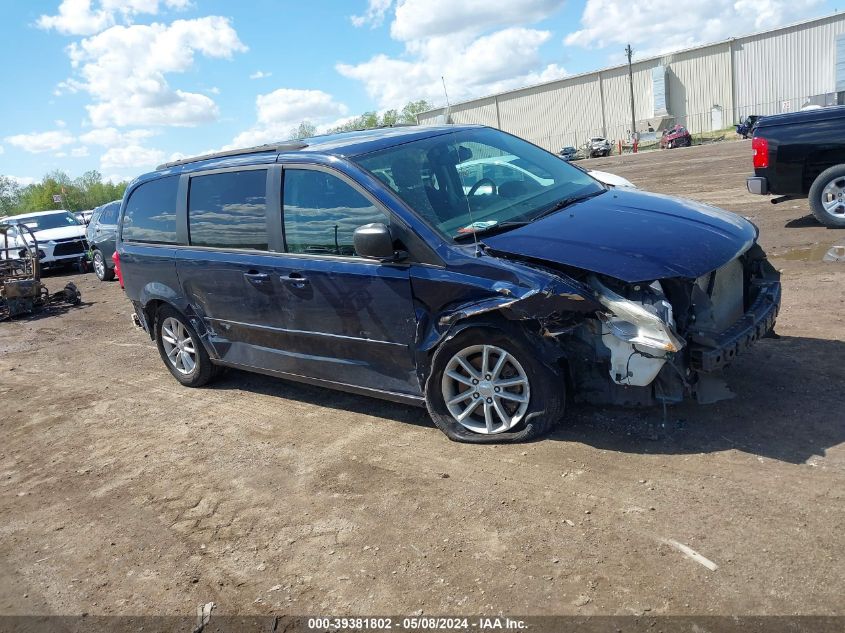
(271, 147)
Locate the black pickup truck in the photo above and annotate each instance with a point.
(802, 155)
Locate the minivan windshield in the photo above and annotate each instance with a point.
(478, 180)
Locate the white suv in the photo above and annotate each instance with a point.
(60, 235)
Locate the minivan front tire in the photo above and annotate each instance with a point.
(488, 386)
(181, 349)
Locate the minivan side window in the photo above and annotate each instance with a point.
(151, 212)
(229, 210)
(321, 212)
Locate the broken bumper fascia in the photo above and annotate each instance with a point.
(709, 354)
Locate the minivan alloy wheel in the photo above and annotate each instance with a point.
(178, 346)
(486, 389)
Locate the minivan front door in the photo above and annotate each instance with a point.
(349, 320)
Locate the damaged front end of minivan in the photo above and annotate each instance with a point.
(644, 343)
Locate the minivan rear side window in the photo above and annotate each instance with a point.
(321, 212)
(229, 210)
(151, 212)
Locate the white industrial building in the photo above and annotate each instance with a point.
(706, 88)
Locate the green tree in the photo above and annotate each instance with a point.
(305, 129)
(412, 109)
(369, 120)
(9, 194)
(86, 192)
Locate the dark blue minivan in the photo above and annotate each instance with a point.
(458, 268)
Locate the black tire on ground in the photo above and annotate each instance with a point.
(108, 273)
(547, 387)
(836, 176)
(204, 371)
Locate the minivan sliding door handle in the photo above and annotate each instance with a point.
(294, 279)
(259, 280)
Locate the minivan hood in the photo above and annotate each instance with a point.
(633, 236)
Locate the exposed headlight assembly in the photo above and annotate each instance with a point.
(633, 323)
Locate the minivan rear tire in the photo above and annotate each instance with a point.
(174, 335)
(546, 386)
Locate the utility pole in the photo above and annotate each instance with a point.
(629, 52)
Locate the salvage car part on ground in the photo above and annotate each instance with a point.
(21, 290)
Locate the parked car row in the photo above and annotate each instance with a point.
(64, 239)
(59, 234)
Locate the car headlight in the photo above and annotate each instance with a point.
(633, 323)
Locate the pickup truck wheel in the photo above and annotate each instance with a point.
(181, 350)
(827, 197)
(488, 386)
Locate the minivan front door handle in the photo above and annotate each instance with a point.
(294, 279)
(259, 280)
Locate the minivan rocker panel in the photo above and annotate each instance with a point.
(368, 262)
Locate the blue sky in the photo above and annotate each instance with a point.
(120, 85)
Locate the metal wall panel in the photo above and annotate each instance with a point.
(777, 72)
(554, 116)
(699, 80)
(758, 74)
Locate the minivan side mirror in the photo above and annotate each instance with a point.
(373, 241)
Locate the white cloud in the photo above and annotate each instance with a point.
(40, 142)
(460, 42)
(23, 181)
(416, 19)
(124, 69)
(374, 15)
(656, 26)
(78, 17)
(131, 156)
(2, 150)
(471, 67)
(259, 74)
(112, 137)
(79, 152)
(283, 109)
(59, 123)
(117, 178)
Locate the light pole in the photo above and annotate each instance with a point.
(629, 52)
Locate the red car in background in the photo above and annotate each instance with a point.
(677, 136)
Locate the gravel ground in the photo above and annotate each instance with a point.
(122, 492)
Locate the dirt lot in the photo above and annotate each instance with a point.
(123, 493)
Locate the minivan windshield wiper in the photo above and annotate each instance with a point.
(563, 203)
(499, 227)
